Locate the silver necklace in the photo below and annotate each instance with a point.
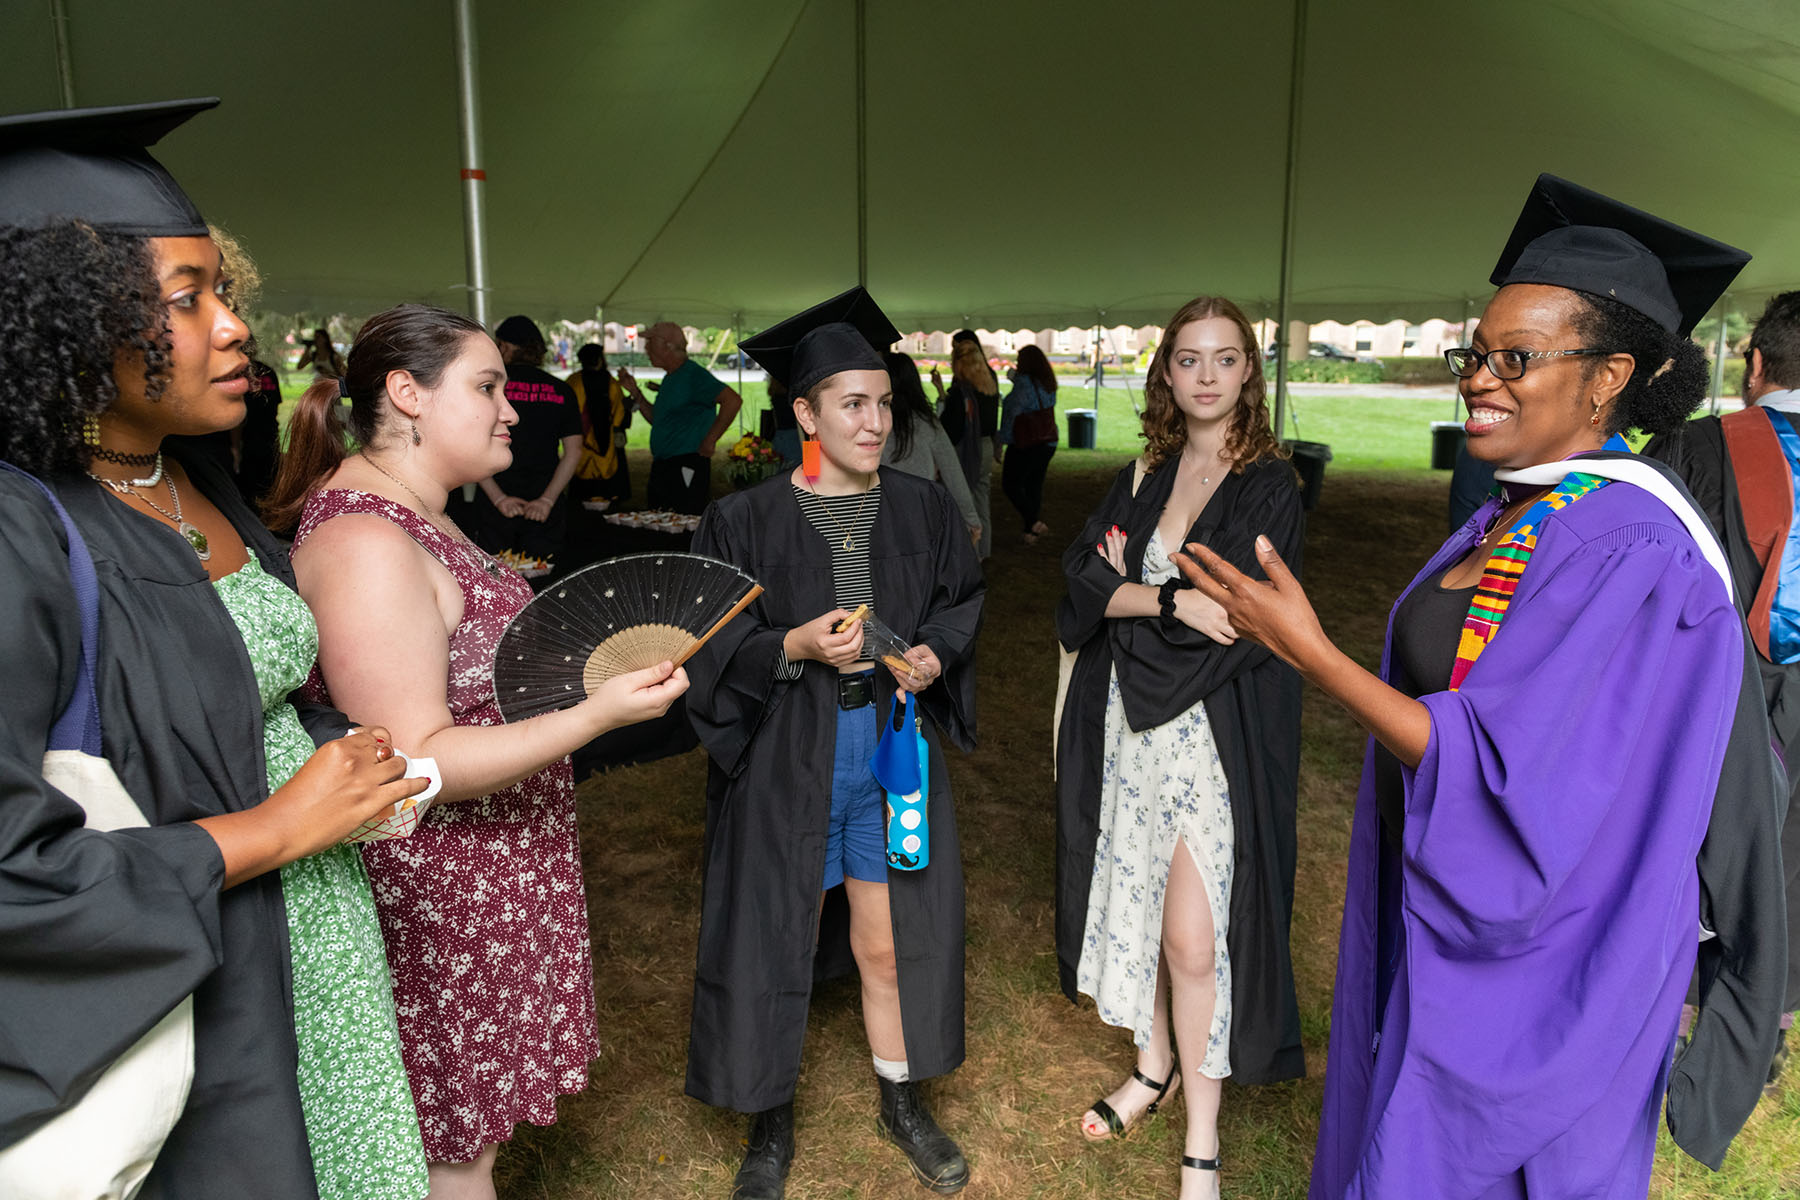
(190, 533)
(488, 563)
(1206, 480)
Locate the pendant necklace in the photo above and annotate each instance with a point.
(849, 538)
(190, 533)
(488, 563)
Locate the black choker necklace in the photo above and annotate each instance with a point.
(120, 457)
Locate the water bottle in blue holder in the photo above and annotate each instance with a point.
(901, 766)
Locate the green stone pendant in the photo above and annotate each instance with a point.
(197, 540)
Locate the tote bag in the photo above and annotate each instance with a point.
(103, 1147)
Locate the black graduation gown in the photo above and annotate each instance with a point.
(768, 795)
(1697, 454)
(1253, 702)
(101, 934)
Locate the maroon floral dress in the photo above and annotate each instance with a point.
(482, 908)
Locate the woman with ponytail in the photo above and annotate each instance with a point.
(482, 907)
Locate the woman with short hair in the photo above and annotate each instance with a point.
(789, 701)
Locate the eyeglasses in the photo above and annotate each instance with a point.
(1502, 364)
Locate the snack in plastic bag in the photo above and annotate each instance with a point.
(881, 643)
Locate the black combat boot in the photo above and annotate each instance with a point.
(764, 1173)
(907, 1123)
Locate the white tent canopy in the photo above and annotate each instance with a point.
(1026, 165)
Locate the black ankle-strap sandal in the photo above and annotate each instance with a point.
(1200, 1164)
(1105, 1112)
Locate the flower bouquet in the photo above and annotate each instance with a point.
(752, 459)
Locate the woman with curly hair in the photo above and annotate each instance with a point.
(1569, 791)
(120, 346)
(1177, 751)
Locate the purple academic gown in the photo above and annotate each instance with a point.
(1546, 896)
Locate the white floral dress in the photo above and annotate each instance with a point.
(1157, 787)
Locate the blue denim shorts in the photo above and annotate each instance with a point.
(856, 839)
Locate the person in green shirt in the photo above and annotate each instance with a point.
(691, 412)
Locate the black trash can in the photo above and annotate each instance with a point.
(1309, 460)
(1084, 427)
(1447, 437)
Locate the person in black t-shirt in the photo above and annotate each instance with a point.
(522, 508)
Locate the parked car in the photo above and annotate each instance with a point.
(1313, 350)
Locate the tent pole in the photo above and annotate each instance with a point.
(1456, 392)
(1097, 370)
(1287, 214)
(65, 63)
(468, 111)
(737, 352)
(1718, 373)
(862, 144)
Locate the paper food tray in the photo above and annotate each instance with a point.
(408, 812)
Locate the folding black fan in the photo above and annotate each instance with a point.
(620, 615)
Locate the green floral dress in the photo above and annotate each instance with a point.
(360, 1119)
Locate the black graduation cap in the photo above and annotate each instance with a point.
(1569, 236)
(846, 333)
(93, 165)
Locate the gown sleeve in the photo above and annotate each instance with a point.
(1627, 650)
(951, 621)
(950, 472)
(1548, 890)
(1165, 667)
(737, 678)
(1091, 582)
(101, 933)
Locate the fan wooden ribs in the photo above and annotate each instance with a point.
(624, 614)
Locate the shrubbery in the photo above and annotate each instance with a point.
(1328, 370)
(1416, 369)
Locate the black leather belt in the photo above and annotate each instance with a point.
(856, 691)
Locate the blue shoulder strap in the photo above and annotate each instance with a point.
(78, 728)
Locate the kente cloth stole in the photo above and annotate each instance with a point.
(1494, 593)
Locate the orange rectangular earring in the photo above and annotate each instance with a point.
(809, 458)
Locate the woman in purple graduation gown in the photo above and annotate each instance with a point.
(1520, 917)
